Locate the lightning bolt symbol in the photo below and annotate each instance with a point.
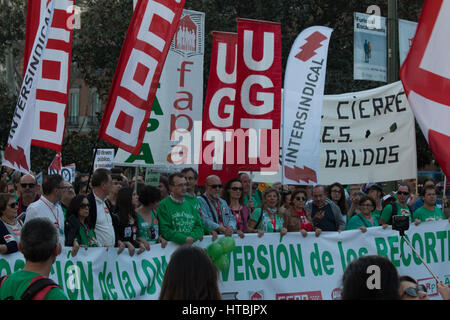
(306, 174)
(312, 43)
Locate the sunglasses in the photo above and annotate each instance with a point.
(84, 205)
(13, 205)
(414, 291)
(215, 186)
(300, 198)
(404, 193)
(236, 189)
(29, 185)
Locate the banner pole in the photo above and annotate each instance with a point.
(444, 194)
(417, 254)
(92, 165)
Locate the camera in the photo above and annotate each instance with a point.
(400, 223)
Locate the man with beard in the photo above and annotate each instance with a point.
(28, 194)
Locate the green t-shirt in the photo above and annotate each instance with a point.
(195, 203)
(177, 221)
(267, 223)
(16, 284)
(424, 214)
(386, 214)
(149, 232)
(256, 197)
(86, 236)
(355, 222)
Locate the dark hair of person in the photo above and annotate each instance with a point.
(38, 239)
(51, 183)
(117, 170)
(404, 185)
(149, 195)
(367, 198)
(296, 192)
(190, 275)
(124, 207)
(74, 206)
(117, 177)
(171, 178)
(3, 186)
(185, 170)
(428, 188)
(4, 199)
(342, 202)
(101, 175)
(165, 181)
(355, 280)
(406, 278)
(226, 193)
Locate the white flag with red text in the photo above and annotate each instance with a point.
(304, 85)
(30, 103)
(138, 71)
(425, 75)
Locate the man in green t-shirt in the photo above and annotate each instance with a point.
(178, 220)
(403, 193)
(40, 246)
(429, 211)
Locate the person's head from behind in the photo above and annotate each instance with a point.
(370, 278)
(150, 196)
(39, 241)
(190, 275)
(410, 290)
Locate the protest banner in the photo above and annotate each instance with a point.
(406, 32)
(369, 51)
(367, 136)
(267, 268)
(104, 159)
(17, 151)
(138, 71)
(169, 140)
(257, 114)
(304, 85)
(219, 109)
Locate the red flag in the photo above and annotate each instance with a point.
(138, 71)
(52, 91)
(218, 111)
(258, 95)
(56, 165)
(425, 75)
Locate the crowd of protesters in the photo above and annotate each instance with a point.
(114, 211)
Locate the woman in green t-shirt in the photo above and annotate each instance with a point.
(76, 230)
(148, 224)
(366, 218)
(268, 217)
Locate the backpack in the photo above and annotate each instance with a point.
(37, 289)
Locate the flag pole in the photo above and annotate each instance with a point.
(92, 165)
(444, 195)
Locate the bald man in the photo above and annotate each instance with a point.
(28, 190)
(216, 215)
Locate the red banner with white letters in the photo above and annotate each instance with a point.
(258, 96)
(218, 111)
(138, 71)
(52, 91)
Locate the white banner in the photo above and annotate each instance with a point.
(304, 85)
(104, 159)
(169, 139)
(369, 48)
(266, 268)
(368, 136)
(406, 32)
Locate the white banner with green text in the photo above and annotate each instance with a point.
(266, 268)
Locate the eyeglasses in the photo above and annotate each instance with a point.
(84, 205)
(236, 189)
(404, 193)
(300, 198)
(215, 186)
(414, 291)
(29, 185)
(13, 205)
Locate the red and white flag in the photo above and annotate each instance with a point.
(138, 71)
(425, 75)
(56, 165)
(17, 152)
(257, 117)
(219, 107)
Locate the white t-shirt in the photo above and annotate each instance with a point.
(104, 229)
(43, 208)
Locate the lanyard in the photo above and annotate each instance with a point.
(217, 207)
(87, 234)
(238, 215)
(57, 212)
(274, 221)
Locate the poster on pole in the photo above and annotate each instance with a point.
(369, 49)
(406, 32)
(104, 159)
(175, 121)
